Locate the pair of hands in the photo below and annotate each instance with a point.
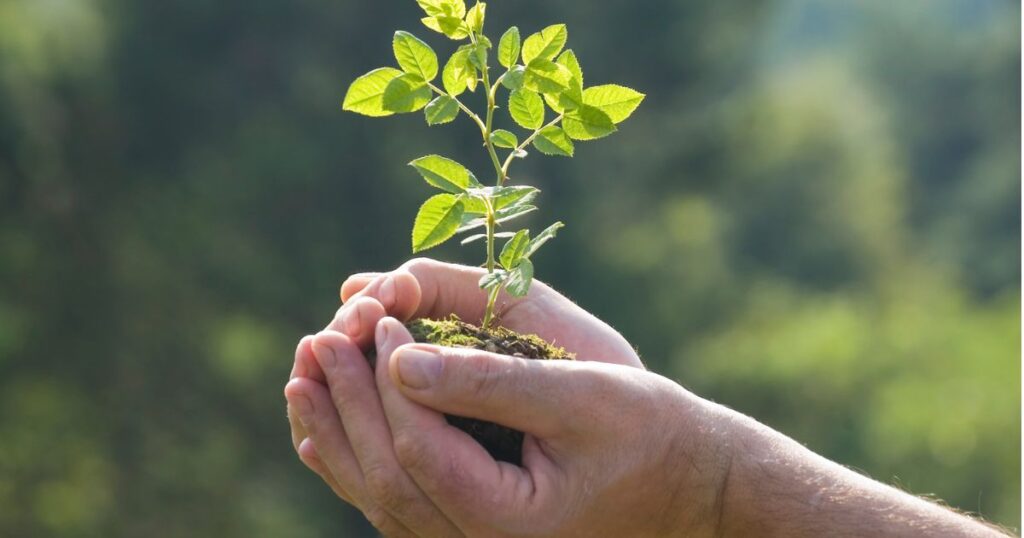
(610, 450)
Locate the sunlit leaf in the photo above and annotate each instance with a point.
(545, 44)
(366, 94)
(552, 140)
(508, 47)
(618, 102)
(414, 56)
(444, 173)
(526, 109)
(436, 222)
(406, 93)
(514, 249)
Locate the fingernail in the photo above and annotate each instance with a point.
(325, 356)
(351, 321)
(418, 369)
(387, 292)
(303, 407)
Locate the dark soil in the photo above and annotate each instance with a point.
(504, 444)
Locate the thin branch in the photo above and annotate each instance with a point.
(470, 113)
(531, 138)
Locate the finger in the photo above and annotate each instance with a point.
(354, 284)
(398, 292)
(313, 406)
(316, 409)
(451, 468)
(309, 456)
(427, 288)
(542, 398)
(305, 366)
(357, 319)
(447, 289)
(354, 393)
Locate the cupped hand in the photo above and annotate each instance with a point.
(420, 288)
(610, 450)
(425, 288)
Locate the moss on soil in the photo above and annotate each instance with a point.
(504, 444)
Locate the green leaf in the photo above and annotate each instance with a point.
(553, 141)
(454, 8)
(474, 201)
(545, 76)
(365, 95)
(436, 222)
(501, 197)
(587, 123)
(477, 237)
(458, 72)
(444, 174)
(470, 222)
(494, 279)
(514, 211)
(414, 56)
(514, 249)
(478, 55)
(545, 44)
(453, 27)
(519, 279)
(543, 237)
(572, 63)
(444, 109)
(504, 139)
(513, 195)
(526, 109)
(572, 98)
(513, 80)
(407, 93)
(618, 102)
(431, 7)
(508, 48)
(475, 17)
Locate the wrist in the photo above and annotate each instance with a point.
(706, 452)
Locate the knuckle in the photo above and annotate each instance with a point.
(341, 399)
(409, 451)
(383, 487)
(420, 263)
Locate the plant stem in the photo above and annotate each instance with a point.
(492, 298)
(489, 125)
(472, 115)
(523, 146)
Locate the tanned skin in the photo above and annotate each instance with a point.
(611, 449)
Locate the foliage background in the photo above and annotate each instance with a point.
(814, 219)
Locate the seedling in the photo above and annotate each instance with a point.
(539, 75)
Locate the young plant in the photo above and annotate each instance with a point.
(539, 75)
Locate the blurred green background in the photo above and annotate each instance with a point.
(814, 219)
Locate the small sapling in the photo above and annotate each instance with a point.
(541, 87)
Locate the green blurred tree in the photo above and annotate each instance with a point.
(816, 210)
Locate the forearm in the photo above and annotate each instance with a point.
(777, 487)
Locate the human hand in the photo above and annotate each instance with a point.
(610, 451)
(424, 288)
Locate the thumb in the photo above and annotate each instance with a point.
(533, 396)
